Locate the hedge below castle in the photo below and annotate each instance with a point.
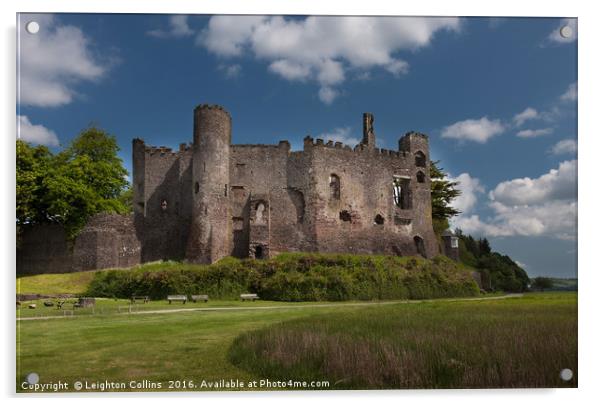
(294, 277)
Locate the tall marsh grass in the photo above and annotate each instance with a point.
(512, 343)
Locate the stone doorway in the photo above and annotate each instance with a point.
(259, 252)
(419, 243)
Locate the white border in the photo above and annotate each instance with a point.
(590, 69)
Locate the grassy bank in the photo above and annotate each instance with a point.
(509, 342)
(55, 284)
(522, 342)
(113, 307)
(295, 277)
(287, 277)
(156, 347)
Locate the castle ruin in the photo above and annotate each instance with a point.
(212, 199)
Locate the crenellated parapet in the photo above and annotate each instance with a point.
(159, 151)
(217, 107)
(309, 143)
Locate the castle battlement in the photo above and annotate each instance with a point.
(162, 150)
(217, 107)
(309, 142)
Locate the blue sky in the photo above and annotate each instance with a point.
(496, 96)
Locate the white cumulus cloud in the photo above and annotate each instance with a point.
(53, 61)
(35, 133)
(557, 184)
(327, 94)
(570, 94)
(534, 133)
(543, 206)
(177, 27)
(471, 188)
(557, 219)
(567, 146)
(480, 130)
(527, 114)
(290, 70)
(322, 49)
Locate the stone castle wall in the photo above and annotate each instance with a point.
(107, 241)
(44, 249)
(364, 217)
(162, 200)
(212, 199)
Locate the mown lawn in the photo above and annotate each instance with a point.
(77, 283)
(106, 307)
(510, 342)
(55, 284)
(157, 347)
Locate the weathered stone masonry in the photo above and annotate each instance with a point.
(211, 199)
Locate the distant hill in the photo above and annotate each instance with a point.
(569, 284)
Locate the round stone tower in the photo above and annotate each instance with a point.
(211, 227)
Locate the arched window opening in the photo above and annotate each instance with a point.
(402, 193)
(259, 252)
(335, 187)
(379, 220)
(420, 177)
(419, 243)
(298, 201)
(260, 213)
(420, 159)
(163, 204)
(197, 187)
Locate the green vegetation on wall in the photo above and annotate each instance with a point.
(295, 277)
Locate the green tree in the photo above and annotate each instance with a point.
(127, 199)
(541, 283)
(67, 188)
(484, 247)
(472, 246)
(443, 192)
(505, 274)
(32, 166)
(93, 154)
(499, 271)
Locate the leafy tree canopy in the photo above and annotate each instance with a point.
(84, 179)
(541, 283)
(443, 192)
(499, 271)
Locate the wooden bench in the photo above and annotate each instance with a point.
(177, 298)
(143, 299)
(198, 298)
(249, 296)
